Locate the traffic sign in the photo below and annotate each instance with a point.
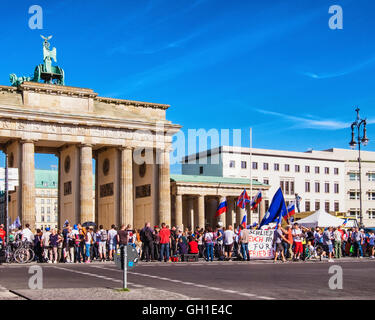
(132, 257)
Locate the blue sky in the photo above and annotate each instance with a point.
(273, 65)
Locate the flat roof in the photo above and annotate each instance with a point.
(213, 179)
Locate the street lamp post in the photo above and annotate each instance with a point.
(361, 139)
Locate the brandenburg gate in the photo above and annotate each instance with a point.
(129, 140)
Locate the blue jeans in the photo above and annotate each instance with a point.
(210, 251)
(359, 247)
(245, 251)
(88, 250)
(164, 247)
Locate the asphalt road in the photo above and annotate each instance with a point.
(206, 280)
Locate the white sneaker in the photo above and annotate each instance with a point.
(360, 257)
(330, 260)
(49, 261)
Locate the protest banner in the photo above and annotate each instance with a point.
(260, 244)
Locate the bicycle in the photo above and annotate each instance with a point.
(19, 252)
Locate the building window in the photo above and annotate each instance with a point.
(48, 201)
(307, 169)
(371, 195)
(337, 206)
(200, 170)
(317, 170)
(336, 188)
(354, 195)
(266, 181)
(307, 186)
(326, 206)
(42, 201)
(317, 205)
(42, 210)
(48, 219)
(42, 218)
(255, 165)
(276, 167)
(265, 166)
(354, 176)
(317, 187)
(353, 213)
(371, 213)
(297, 168)
(307, 206)
(287, 168)
(326, 187)
(287, 187)
(48, 209)
(243, 164)
(336, 171)
(371, 177)
(232, 164)
(326, 170)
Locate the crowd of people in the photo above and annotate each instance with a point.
(296, 242)
(84, 244)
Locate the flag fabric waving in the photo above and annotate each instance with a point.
(291, 210)
(243, 222)
(345, 222)
(277, 209)
(243, 199)
(256, 200)
(222, 208)
(16, 224)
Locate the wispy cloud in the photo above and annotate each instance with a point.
(215, 51)
(308, 123)
(178, 43)
(340, 73)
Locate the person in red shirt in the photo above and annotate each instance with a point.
(2, 232)
(193, 246)
(165, 238)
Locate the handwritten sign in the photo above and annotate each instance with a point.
(260, 244)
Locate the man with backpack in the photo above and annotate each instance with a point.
(146, 235)
(103, 238)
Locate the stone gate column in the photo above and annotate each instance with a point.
(127, 215)
(262, 210)
(28, 184)
(86, 184)
(164, 188)
(179, 223)
(191, 212)
(201, 213)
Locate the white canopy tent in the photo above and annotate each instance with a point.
(322, 219)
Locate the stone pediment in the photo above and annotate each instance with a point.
(66, 100)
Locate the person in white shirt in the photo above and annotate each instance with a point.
(297, 238)
(45, 243)
(27, 235)
(229, 237)
(112, 241)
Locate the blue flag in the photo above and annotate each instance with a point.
(277, 209)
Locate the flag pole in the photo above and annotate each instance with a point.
(251, 175)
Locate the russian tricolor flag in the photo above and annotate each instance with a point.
(222, 208)
(256, 200)
(244, 221)
(291, 210)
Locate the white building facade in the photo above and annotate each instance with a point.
(323, 179)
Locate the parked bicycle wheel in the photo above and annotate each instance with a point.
(22, 255)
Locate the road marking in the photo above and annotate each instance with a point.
(99, 276)
(192, 284)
